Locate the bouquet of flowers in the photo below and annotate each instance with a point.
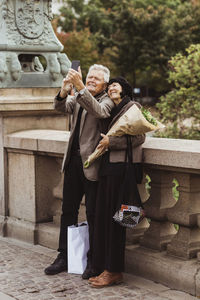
(134, 121)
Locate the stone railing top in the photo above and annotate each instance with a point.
(176, 153)
(51, 141)
(173, 153)
(172, 144)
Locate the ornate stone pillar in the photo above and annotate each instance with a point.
(29, 50)
(31, 71)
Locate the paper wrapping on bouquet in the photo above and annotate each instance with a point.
(132, 122)
(78, 246)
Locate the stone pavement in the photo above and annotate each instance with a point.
(22, 278)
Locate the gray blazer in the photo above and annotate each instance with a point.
(117, 145)
(90, 125)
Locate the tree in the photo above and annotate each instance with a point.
(78, 46)
(146, 36)
(181, 106)
(138, 36)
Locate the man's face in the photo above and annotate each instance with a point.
(95, 82)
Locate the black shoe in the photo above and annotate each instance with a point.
(89, 272)
(58, 266)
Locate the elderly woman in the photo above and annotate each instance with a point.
(109, 236)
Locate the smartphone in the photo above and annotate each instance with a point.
(75, 64)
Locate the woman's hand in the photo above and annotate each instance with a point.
(66, 87)
(104, 143)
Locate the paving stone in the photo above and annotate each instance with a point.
(178, 295)
(22, 277)
(154, 297)
(62, 298)
(5, 297)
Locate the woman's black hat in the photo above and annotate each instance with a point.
(127, 89)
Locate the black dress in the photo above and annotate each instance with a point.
(109, 236)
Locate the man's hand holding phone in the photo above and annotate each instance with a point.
(73, 79)
(74, 75)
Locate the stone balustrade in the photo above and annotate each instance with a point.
(169, 160)
(168, 249)
(165, 247)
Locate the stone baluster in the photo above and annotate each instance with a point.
(133, 235)
(160, 231)
(186, 213)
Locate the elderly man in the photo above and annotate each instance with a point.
(90, 104)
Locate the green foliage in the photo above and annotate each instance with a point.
(148, 116)
(175, 192)
(148, 184)
(182, 102)
(137, 37)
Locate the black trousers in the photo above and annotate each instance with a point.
(75, 186)
(110, 237)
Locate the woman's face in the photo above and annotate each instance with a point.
(114, 91)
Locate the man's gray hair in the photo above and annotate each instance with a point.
(105, 70)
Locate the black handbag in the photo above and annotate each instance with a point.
(130, 209)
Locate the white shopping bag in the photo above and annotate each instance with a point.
(78, 246)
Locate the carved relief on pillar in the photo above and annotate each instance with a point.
(15, 67)
(3, 67)
(50, 14)
(29, 18)
(4, 8)
(29, 49)
(28, 23)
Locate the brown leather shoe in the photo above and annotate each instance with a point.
(106, 279)
(92, 279)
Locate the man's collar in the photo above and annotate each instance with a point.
(100, 94)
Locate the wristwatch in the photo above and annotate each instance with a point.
(81, 92)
